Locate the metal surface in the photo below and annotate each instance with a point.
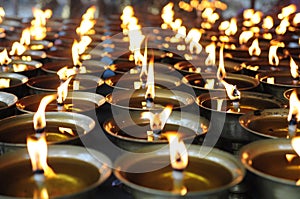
(227, 160)
(89, 156)
(265, 123)
(183, 98)
(182, 119)
(267, 186)
(231, 129)
(59, 118)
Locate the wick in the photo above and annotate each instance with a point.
(143, 79)
(178, 176)
(292, 128)
(60, 106)
(149, 101)
(295, 80)
(39, 132)
(39, 176)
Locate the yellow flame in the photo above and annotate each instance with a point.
(245, 36)
(150, 80)
(282, 27)
(181, 32)
(37, 149)
(231, 90)
(17, 49)
(254, 48)
(62, 91)
(178, 152)
(296, 19)
(135, 41)
(158, 120)
(4, 58)
(39, 119)
(66, 130)
(25, 38)
(86, 27)
(185, 6)
(90, 13)
(19, 67)
(294, 104)
(268, 22)
(273, 58)
(256, 17)
(65, 72)
(75, 54)
(4, 83)
(193, 37)
(224, 25)
(167, 15)
(41, 193)
(232, 29)
(38, 24)
(2, 14)
(211, 58)
(248, 13)
(286, 11)
(126, 16)
(294, 68)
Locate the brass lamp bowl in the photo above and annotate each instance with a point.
(17, 85)
(131, 133)
(7, 104)
(14, 130)
(267, 123)
(148, 175)
(79, 172)
(270, 175)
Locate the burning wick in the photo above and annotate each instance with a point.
(294, 114)
(179, 161)
(294, 71)
(157, 121)
(150, 93)
(62, 92)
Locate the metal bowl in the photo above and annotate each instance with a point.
(15, 129)
(17, 84)
(92, 169)
(133, 100)
(49, 83)
(7, 104)
(263, 184)
(268, 123)
(131, 133)
(198, 81)
(30, 69)
(158, 158)
(229, 121)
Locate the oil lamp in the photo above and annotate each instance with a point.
(7, 104)
(76, 177)
(150, 175)
(273, 167)
(136, 132)
(27, 68)
(14, 83)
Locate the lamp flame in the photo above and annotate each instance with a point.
(62, 91)
(282, 27)
(25, 37)
(193, 37)
(75, 54)
(294, 104)
(37, 149)
(158, 120)
(38, 24)
(231, 90)
(167, 15)
(294, 68)
(135, 41)
(296, 19)
(64, 73)
(268, 22)
(232, 29)
(211, 58)
(87, 22)
(150, 93)
(287, 11)
(245, 36)
(178, 152)
(4, 58)
(4, 83)
(2, 14)
(39, 119)
(273, 58)
(17, 49)
(66, 130)
(254, 48)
